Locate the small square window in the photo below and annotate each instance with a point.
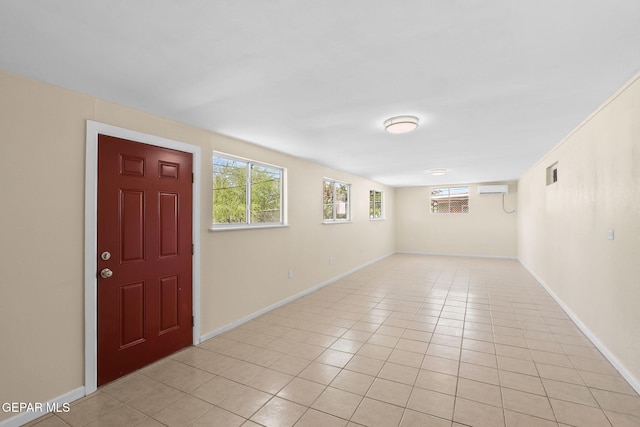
(336, 202)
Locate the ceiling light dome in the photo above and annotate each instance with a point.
(438, 171)
(401, 124)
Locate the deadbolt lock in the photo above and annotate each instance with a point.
(106, 255)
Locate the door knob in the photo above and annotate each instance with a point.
(106, 273)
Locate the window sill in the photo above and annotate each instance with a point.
(336, 222)
(246, 227)
(377, 219)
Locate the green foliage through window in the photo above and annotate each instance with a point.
(245, 192)
(335, 201)
(375, 204)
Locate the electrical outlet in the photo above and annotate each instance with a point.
(610, 234)
(330, 260)
(290, 274)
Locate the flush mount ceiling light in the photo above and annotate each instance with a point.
(438, 171)
(401, 124)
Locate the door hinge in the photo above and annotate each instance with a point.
(193, 249)
(193, 321)
(193, 177)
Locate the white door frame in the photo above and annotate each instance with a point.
(91, 236)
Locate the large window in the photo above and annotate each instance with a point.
(246, 193)
(375, 205)
(450, 200)
(336, 201)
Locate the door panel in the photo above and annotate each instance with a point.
(132, 314)
(144, 221)
(132, 225)
(169, 304)
(169, 224)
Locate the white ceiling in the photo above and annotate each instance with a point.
(496, 83)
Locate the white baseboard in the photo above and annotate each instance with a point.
(25, 417)
(456, 255)
(631, 379)
(287, 300)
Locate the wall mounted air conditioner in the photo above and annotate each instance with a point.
(493, 189)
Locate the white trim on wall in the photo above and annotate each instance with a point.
(456, 255)
(289, 299)
(631, 379)
(90, 222)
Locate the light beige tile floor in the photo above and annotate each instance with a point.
(409, 341)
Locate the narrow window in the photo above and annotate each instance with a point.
(246, 192)
(375, 205)
(552, 173)
(450, 200)
(336, 203)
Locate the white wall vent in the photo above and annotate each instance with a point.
(493, 189)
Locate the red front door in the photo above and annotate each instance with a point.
(144, 254)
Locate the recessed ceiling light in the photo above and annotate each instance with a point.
(438, 171)
(401, 124)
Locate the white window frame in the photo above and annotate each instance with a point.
(372, 217)
(431, 198)
(336, 220)
(248, 224)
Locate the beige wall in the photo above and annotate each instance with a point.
(42, 168)
(559, 231)
(563, 227)
(486, 230)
